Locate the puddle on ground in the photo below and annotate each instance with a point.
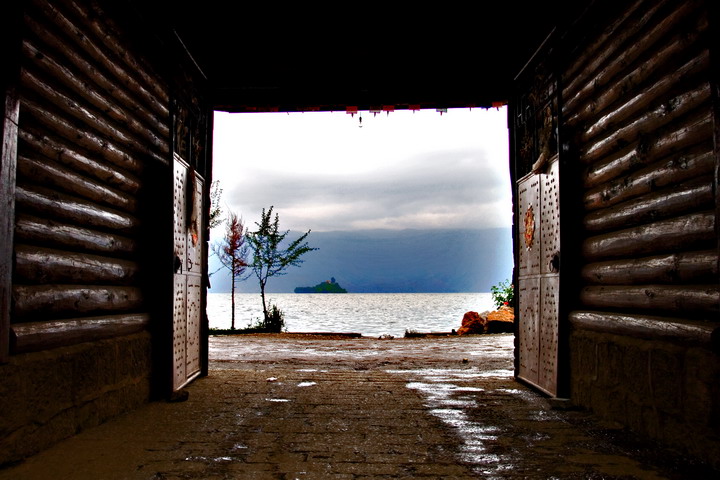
(448, 399)
(306, 384)
(277, 400)
(208, 460)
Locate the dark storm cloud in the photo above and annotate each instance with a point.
(440, 189)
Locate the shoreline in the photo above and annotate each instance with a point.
(349, 335)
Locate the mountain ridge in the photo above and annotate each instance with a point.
(394, 261)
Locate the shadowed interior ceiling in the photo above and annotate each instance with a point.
(267, 56)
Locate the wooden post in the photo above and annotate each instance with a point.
(205, 324)
(10, 12)
(8, 165)
(715, 88)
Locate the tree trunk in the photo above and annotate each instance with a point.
(232, 302)
(262, 295)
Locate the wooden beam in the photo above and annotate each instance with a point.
(677, 137)
(47, 203)
(678, 267)
(36, 265)
(31, 230)
(704, 334)
(10, 38)
(47, 302)
(8, 166)
(692, 196)
(665, 173)
(693, 231)
(677, 300)
(35, 140)
(36, 336)
(648, 122)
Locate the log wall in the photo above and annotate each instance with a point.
(638, 128)
(94, 128)
(637, 108)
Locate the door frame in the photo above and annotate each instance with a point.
(547, 59)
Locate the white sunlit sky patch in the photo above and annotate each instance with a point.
(329, 171)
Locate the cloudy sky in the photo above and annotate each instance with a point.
(323, 171)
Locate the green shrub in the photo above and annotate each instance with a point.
(503, 294)
(275, 320)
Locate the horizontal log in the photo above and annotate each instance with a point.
(669, 171)
(696, 333)
(45, 172)
(36, 141)
(81, 89)
(99, 78)
(38, 336)
(84, 138)
(692, 131)
(39, 265)
(50, 233)
(682, 300)
(627, 49)
(105, 30)
(102, 57)
(89, 118)
(48, 302)
(692, 196)
(689, 232)
(685, 267)
(47, 203)
(639, 97)
(603, 46)
(649, 121)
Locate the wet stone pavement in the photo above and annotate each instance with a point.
(287, 407)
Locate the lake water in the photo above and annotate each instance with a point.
(371, 314)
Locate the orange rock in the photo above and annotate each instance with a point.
(501, 321)
(505, 314)
(473, 322)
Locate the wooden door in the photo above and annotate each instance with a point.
(189, 266)
(538, 277)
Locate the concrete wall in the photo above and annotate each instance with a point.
(48, 396)
(665, 391)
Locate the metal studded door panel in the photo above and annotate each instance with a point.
(529, 290)
(548, 334)
(179, 332)
(538, 278)
(192, 348)
(194, 233)
(529, 197)
(180, 232)
(189, 267)
(550, 221)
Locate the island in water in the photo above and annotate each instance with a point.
(328, 286)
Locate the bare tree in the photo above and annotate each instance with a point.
(232, 253)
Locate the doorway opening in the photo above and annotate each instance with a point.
(411, 213)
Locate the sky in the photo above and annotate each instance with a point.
(330, 171)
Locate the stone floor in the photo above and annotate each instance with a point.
(307, 408)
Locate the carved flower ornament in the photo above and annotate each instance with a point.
(529, 227)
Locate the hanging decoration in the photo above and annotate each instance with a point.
(414, 108)
(351, 110)
(388, 109)
(441, 110)
(375, 111)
